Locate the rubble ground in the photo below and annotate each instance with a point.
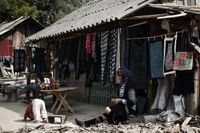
(11, 120)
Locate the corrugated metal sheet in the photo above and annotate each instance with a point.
(187, 9)
(89, 15)
(5, 27)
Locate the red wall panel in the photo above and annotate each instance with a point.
(6, 48)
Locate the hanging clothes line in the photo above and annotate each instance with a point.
(154, 37)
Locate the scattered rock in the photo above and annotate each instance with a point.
(189, 124)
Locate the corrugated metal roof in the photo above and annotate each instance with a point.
(169, 6)
(7, 26)
(89, 15)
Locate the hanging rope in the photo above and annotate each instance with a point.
(154, 37)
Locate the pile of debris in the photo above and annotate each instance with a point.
(190, 124)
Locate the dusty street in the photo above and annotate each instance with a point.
(11, 120)
(11, 113)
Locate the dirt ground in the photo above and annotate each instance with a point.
(11, 120)
(11, 113)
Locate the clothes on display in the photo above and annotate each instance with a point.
(137, 53)
(139, 63)
(104, 48)
(184, 53)
(112, 54)
(156, 59)
(80, 58)
(168, 55)
(39, 60)
(88, 44)
(164, 91)
(124, 48)
(19, 60)
(92, 61)
(108, 55)
(183, 61)
(179, 104)
(184, 82)
(98, 54)
(183, 44)
(93, 43)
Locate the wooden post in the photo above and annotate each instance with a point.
(28, 65)
(194, 98)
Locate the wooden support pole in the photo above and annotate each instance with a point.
(194, 98)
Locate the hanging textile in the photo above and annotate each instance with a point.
(108, 55)
(183, 61)
(184, 82)
(168, 55)
(138, 64)
(159, 101)
(88, 46)
(39, 60)
(104, 44)
(156, 59)
(19, 60)
(112, 54)
(93, 43)
(183, 44)
(163, 93)
(81, 57)
(124, 48)
(93, 62)
(77, 71)
(184, 56)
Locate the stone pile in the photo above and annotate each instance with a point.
(189, 124)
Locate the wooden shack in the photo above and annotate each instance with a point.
(144, 18)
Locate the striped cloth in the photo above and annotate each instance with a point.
(112, 54)
(104, 44)
(108, 55)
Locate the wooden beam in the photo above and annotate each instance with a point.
(182, 14)
(146, 16)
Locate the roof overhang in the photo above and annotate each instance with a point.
(175, 7)
(90, 15)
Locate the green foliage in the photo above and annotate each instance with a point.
(3, 9)
(45, 11)
(49, 10)
(12, 9)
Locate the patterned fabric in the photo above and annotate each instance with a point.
(183, 61)
(169, 58)
(88, 46)
(122, 89)
(112, 54)
(94, 45)
(108, 55)
(168, 55)
(104, 44)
